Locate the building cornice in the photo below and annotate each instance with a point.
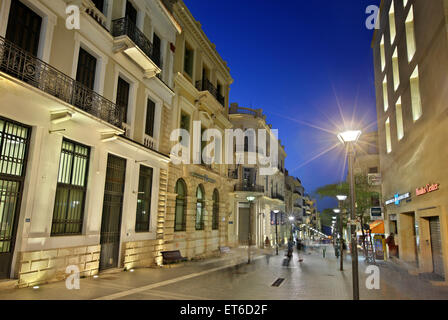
(188, 22)
(169, 16)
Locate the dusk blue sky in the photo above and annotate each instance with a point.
(298, 60)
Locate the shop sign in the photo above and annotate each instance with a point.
(398, 198)
(427, 189)
(203, 177)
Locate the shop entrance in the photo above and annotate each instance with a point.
(112, 210)
(14, 145)
(436, 246)
(243, 225)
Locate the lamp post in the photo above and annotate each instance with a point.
(276, 232)
(349, 138)
(341, 246)
(249, 235)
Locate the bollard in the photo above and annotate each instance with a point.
(323, 251)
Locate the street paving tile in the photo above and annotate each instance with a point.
(316, 278)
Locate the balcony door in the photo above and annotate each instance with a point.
(85, 73)
(131, 13)
(123, 89)
(24, 27)
(157, 50)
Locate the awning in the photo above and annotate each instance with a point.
(375, 227)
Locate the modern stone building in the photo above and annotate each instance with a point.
(411, 58)
(197, 211)
(83, 117)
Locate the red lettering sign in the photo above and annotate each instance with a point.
(426, 189)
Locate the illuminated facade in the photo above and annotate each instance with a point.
(82, 119)
(411, 58)
(197, 212)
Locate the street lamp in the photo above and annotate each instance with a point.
(276, 232)
(291, 219)
(349, 138)
(249, 236)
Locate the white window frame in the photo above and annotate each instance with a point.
(157, 115)
(102, 60)
(49, 20)
(133, 89)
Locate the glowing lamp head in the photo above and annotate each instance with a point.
(349, 136)
(291, 219)
(276, 211)
(341, 197)
(337, 210)
(250, 198)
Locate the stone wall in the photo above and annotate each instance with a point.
(38, 267)
(193, 243)
(138, 254)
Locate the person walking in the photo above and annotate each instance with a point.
(267, 243)
(390, 241)
(290, 248)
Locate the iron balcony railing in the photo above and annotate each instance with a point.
(206, 85)
(24, 66)
(126, 27)
(278, 196)
(248, 187)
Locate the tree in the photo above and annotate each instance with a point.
(365, 197)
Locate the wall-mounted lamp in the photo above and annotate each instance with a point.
(55, 131)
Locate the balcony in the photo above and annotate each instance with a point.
(248, 187)
(130, 40)
(278, 196)
(89, 7)
(33, 71)
(236, 109)
(206, 85)
(149, 142)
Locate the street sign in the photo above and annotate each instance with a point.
(376, 213)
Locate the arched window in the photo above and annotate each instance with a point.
(200, 204)
(181, 206)
(215, 221)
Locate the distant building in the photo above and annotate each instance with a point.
(269, 190)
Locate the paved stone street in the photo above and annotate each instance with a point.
(230, 278)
